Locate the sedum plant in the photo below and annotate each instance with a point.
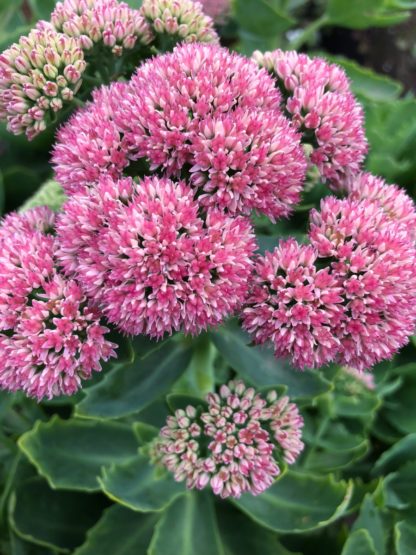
(179, 373)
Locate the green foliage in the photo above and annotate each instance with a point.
(75, 475)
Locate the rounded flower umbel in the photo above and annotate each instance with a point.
(295, 306)
(38, 75)
(51, 337)
(236, 444)
(91, 145)
(148, 258)
(178, 20)
(392, 200)
(373, 260)
(108, 22)
(206, 113)
(319, 101)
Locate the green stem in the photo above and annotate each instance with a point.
(9, 484)
(308, 32)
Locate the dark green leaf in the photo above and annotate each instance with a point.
(398, 487)
(359, 543)
(119, 532)
(402, 452)
(56, 519)
(370, 519)
(140, 486)
(132, 387)
(70, 453)
(188, 527)
(405, 538)
(298, 503)
(259, 366)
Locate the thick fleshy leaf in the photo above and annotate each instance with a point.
(370, 519)
(241, 535)
(188, 527)
(405, 538)
(359, 543)
(71, 453)
(398, 487)
(298, 503)
(334, 449)
(49, 194)
(259, 366)
(132, 387)
(360, 14)
(119, 531)
(55, 519)
(140, 486)
(402, 452)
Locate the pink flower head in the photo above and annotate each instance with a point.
(90, 144)
(235, 445)
(50, 336)
(217, 9)
(373, 260)
(205, 111)
(108, 22)
(149, 260)
(40, 218)
(321, 105)
(295, 306)
(38, 75)
(393, 201)
(182, 20)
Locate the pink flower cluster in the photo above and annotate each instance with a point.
(180, 20)
(51, 337)
(114, 24)
(319, 101)
(360, 307)
(38, 75)
(149, 260)
(200, 113)
(235, 444)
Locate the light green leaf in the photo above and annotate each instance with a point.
(119, 532)
(259, 366)
(140, 486)
(70, 453)
(359, 543)
(55, 519)
(50, 194)
(298, 503)
(188, 527)
(360, 14)
(405, 538)
(260, 18)
(132, 387)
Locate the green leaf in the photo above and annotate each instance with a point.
(398, 490)
(259, 366)
(260, 18)
(176, 402)
(242, 535)
(130, 388)
(119, 532)
(359, 543)
(140, 486)
(402, 452)
(188, 527)
(21, 547)
(405, 538)
(366, 83)
(360, 14)
(55, 519)
(42, 9)
(49, 194)
(370, 519)
(70, 453)
(298, 503)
